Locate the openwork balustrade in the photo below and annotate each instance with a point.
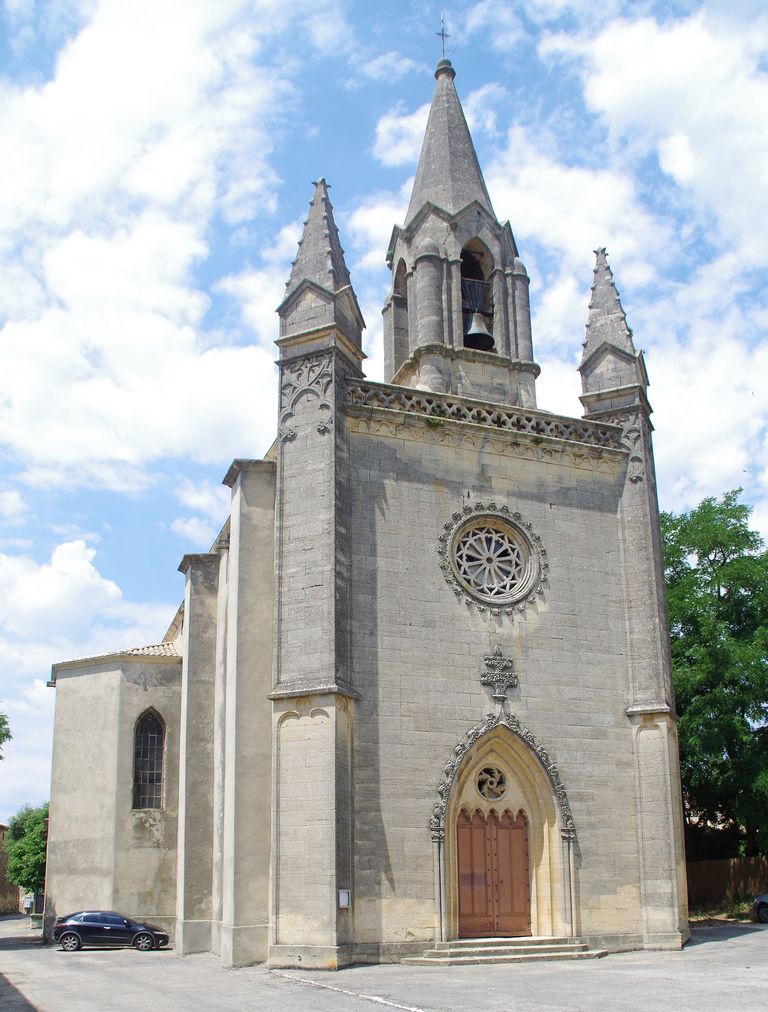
(361, 394)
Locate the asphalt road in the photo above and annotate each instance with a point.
(724, 967)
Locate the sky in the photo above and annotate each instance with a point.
(156, 165)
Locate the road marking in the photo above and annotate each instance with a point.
(344, 990)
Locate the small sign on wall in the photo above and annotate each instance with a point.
(344, 898)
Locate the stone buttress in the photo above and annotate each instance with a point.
(615, 382)
(313, 698)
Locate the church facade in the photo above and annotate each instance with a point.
(419, 690)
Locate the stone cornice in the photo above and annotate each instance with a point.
(305, 342)
(650, 710)
(462, 418)
(197, 559)
(295, 692)
(488, 358)
(240, 466)
(616, 399)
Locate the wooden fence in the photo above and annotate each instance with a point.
(736, 878)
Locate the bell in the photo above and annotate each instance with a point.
(478, 336)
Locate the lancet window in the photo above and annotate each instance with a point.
(148, 761)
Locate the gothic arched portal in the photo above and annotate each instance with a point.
(503, 809)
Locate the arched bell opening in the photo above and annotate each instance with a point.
(476, 296)
(527, 878)
(400, 314)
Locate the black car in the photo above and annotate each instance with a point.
(105, 927)
(760, 908)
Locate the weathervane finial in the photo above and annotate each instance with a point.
(442, 34)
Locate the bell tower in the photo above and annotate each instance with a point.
(457, 319)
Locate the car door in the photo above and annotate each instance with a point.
(117, 930)
(92, 928)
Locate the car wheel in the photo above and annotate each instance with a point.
(70, 942)
(144, 942)
(762, 913)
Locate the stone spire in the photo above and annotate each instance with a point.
(320, 257)
(319, 298)
(607, 322)
(612, 371)
(449, 173)
(458, 316)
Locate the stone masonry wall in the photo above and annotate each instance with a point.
(418, 653)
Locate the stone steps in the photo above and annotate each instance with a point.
(466, 951)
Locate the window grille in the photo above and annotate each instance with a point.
(149, 746)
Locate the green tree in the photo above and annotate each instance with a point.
(5, 733)
(717, 584)
(25, 844)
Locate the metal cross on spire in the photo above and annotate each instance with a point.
(442, 34)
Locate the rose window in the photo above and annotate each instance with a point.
(491, 783)
(493, 557)
(490, 560)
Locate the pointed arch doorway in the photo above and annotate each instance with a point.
(499, 770)
(494, 894)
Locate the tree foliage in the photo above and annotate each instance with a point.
(25, 844)
(717, 585)
(5, 733)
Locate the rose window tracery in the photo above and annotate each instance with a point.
(491, 783)
(490, 560)
(493, 558)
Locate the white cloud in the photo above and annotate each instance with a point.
(258, 292)
(389, 66)
(692, 91)
(481, 107)
(370, 227)
(496, 22)
(64, 606)
(113, 177)
(209, 500)
(573, 208)
(558, 386)
(560, 312)
(13, 508)
(399, 135)
(204, 497)
(199, 532)
(64, 593)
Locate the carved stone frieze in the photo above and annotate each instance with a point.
(308, 376)
(403, 427)
(547, 763)
(537, 572)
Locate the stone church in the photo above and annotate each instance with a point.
(416, 703)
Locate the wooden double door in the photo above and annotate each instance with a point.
(494, 890)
